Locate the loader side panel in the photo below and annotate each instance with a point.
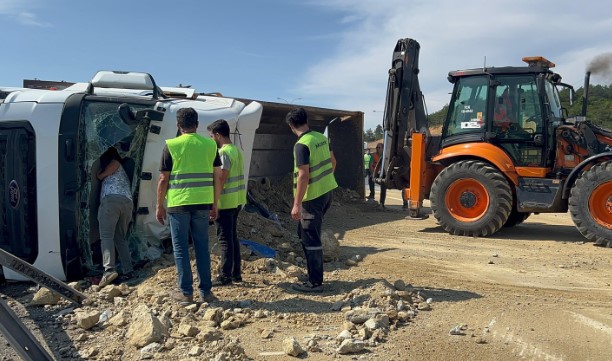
(18, 224)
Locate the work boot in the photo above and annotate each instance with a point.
(209, 298)
(182, 298)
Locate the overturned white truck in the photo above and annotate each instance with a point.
(50, 142)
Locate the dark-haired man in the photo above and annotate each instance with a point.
(233, 197)
(313, 183)
(189, 181)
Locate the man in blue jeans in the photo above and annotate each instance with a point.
(189, 177)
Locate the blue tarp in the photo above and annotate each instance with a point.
(259, 249)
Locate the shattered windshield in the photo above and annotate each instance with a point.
(102, 128)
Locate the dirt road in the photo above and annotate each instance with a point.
(535, 291)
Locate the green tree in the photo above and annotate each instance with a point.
(437, 119)
(368, 135)
(599, 104)
(378, 132)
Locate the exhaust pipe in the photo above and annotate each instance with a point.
(585, 97)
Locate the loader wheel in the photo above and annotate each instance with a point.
(590, 204)
(471, 198)
(515, 218)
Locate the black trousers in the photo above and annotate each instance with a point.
(370, 182)
(309, 231)
(226, 225)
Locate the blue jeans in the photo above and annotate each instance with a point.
(181, 224)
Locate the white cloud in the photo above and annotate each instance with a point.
(453, 35)
(20, 11)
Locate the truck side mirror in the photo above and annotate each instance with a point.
(150, 114)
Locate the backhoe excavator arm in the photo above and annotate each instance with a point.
(404, 115)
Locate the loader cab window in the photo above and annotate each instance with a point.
(517, 119)
(552, 100)
(516, 112)
(468, 108)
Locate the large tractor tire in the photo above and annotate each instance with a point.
(471, 198)
(515, 218)
(590, 204)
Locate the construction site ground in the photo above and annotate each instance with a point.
(536, 291)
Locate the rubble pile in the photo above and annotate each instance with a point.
(142, 321)
(275, 228)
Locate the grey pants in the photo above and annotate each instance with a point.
(114, 216)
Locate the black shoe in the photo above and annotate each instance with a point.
(237, 279)
(222, 281)
(307, 287)
(405, 206)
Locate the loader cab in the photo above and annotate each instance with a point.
(515, 108)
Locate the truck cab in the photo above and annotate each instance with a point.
(50, 142)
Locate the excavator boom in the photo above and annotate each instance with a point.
(404, 115)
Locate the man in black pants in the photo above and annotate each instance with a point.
(233, 197)
(313, 183)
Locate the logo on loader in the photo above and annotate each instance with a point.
(14, 194)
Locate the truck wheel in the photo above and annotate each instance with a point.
(515, 218)
(590, 204)
(471, 198)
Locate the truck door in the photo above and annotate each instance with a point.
(18, 224)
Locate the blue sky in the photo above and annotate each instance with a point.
(323, 53)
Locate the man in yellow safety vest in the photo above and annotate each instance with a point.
(313, 183)
(189, 181)
(233, 197)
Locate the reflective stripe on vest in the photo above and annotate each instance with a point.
(191, 178)
(321, 175)
(234, 191)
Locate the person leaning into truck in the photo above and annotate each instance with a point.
(233, 197)
(189, 176)
(114, 215)
(313, 183)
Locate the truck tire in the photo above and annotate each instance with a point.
(471, 198)
(515, 218)
(590, 204)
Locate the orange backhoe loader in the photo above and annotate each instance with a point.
(507, 149)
